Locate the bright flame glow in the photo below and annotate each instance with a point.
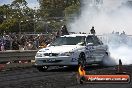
(81, 71)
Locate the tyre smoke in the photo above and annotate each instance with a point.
(104, 15)
(123, 53)
(107, 16)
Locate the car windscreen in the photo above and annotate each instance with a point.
(68, 41)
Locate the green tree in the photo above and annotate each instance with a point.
(55, 8)
(4, 17)
(56, 11)
(52, 14)
(16, 16)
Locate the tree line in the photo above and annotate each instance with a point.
(18, 17)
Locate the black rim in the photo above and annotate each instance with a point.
(82, 60)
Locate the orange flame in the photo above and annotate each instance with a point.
(81, 71)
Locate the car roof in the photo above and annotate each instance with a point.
(74, 35)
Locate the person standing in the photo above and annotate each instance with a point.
(92, 31)
(64, 30)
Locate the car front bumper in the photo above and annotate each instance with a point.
(55, 61)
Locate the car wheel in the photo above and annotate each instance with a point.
(42, 68)
(82, 60)
(105, 58)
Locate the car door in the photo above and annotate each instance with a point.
(100, 49)
(94, 49)
(90, 49)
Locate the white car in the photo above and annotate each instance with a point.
(72, 50)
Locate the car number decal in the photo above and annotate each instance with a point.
(89, 50)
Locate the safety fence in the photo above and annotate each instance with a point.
(116, 39)
(16, 58)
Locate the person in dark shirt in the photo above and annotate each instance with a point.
(15, 45)
(64, 30)
(92, 31)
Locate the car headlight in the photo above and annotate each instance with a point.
(66, 54)
(38, 55)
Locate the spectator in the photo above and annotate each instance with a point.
(2, 47)
(36, 42)
(24, 42)
(64, 30)
(30, 46)
(92, 31)
(15, 45)
(58, 33)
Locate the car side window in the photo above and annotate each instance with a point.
(94, 40)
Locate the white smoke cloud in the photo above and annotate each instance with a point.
(123, 53)
(113, 4)
(106, 16)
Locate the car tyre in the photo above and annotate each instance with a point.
(42, 68)
(82, 60)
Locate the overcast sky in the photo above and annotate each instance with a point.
(31, 3)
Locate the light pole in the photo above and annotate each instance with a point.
(35, 18)
(34, 26)
(20, 26)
